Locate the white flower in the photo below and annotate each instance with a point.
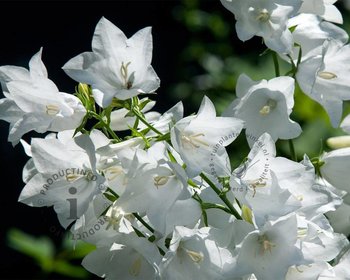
(265, 106)
(215, 217)
(300, 179)
(200, 140)
(159, 189)
(310, 31)
(323, 8)
(66, 177)
(166, 121)
(280, 201)
(287, 185)
(270, 251)
(163, 123)
(131, 258)
(33, 102)
(324, 78)
(342, 268)
(267, 19)
(336, 168)
(121, 121)
(340, 219)
(117, 66)
(92, 226)
(194, 254)
(311, 271)
(318, 240)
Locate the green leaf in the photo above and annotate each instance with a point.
(41, 248)
(144, 103)
(75, 249)
(292, 28)
(65, 268)
(137, 133)
(165, 137)
(110, 197)
(130, 114)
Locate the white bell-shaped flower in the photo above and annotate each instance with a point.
(324, 78)
(117, 66)
(265, 106)
(33, 102)
(267, 19)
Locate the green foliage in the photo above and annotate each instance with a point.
(50, 259)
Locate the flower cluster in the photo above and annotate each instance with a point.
(160, 200)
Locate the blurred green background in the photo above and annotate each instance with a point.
(196, 53)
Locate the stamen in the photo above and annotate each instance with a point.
(256, 184)
(114, 172)
(113, 217)
(128, 79)
(266, 109)
(89, 176)
(327, 75)
(196, 257)
(193, 140)
(52, 110)
(266, 244)
(72, 177)
(160, 180)
(263, 15)
(302, 232)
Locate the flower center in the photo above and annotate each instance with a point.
(114, 216)
(114, 172)
(193, 140)
(89, 176)
(263, 15)
(265, 244)
(196, 257)
(258, 183)
(127, 79)
(266, 109)
(160, 181)
(326, 75)
(52, 110)
(302, 232)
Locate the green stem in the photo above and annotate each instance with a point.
(106, 126)
(216, 206)
(300, 56)
(142, 119)
(276, 64)
(142, 221)
(292, 150)
(113, 192)
(137, 216)
(192, 184)
(222, 196)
